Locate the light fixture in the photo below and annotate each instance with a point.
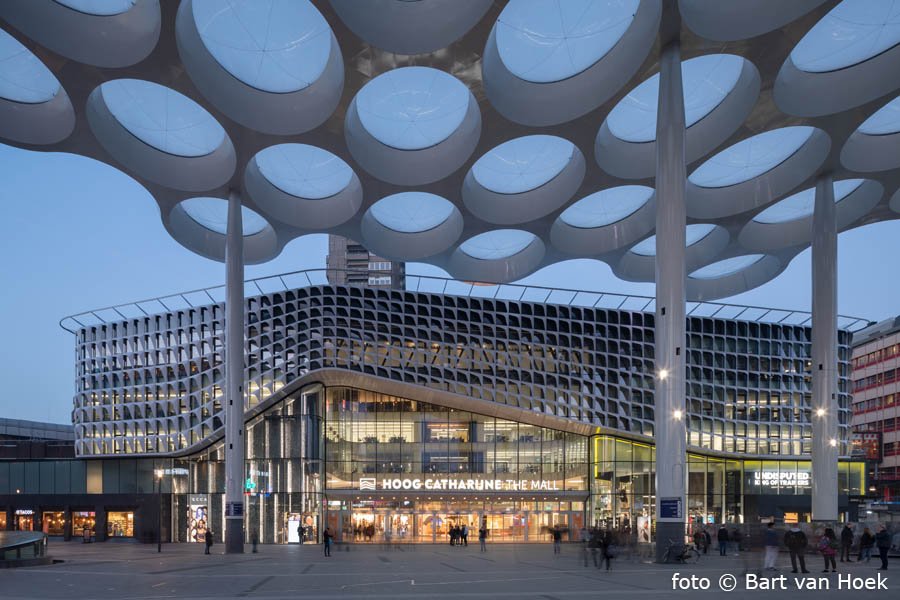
(663, 374)
(832, 442)
(820, 412)
(677, 414)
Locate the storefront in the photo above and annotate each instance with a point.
(408, 471)
(120, 523)
(53, 522)
(24, 519)
(83, 520)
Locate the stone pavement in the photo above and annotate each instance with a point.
(130, 571)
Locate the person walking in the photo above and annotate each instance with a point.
(866, 541)
(557, 540)
(482, 537)
(846, 542)
(796, 543)
(771, 543)
(606, 548)
(707, 540)
(722, 538)
(828, 546)
(208, 540)
(464, 533)
(736, 538)
(883, 541)
(326, 540)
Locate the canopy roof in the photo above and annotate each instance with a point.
(488, 138)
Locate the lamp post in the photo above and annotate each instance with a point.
(159, 476)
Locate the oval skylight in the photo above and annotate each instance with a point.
(100, 8)
(212, 213)
(606, 206)
(275, 46)
(162, 118)
(707, 80)
(726, 267)
(692, 234)
(495, 245)
(542, 41)
(23, 77)
(801, 204)
(523, 164)
(304, 171)
(751, 157)
(854, 31)
(412, 108)
(412, 212)
(885, 121)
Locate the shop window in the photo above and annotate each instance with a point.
(3, 521)
(82, 520)
(53, 522)
(120, 524)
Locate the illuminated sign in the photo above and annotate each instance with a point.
(459, 485)
(784, 478)
(24, 512)
(250, 485)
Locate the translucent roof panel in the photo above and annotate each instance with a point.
(277, 46)
(412, 212)
(707, 80)
(100, 8)
(162, 117)
(692, 235)
(212, 213)
(498, 244)
(411, 108)
(523, 164)
(23, 77)
(854, 31)
(304, 171)
(751, 157)
(801, 204)
(606, 206)
(885, 121)
(726, 267)
(543, 41)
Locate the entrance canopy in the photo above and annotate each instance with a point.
(488, 138)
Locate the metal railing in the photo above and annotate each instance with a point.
(446, 286)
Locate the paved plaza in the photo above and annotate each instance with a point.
(136, 572)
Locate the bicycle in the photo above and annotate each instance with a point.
(681, 553)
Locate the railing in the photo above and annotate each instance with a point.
(447, 286)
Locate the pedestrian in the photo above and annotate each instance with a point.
(722, 538)
(796, 543)
(846, 542)
(883, 541)
(557, 540)
(326, 540)
(208, 540)
(607, 542)
(707, 540)
(594, 545)
(699, 538)
(828, 546)
(452, 533)
(866, 541)
(482, 537)
(771, 548)
(736, 538)
(464, 533)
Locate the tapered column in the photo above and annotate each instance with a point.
(824, 414)
(670, 301)
(234, 377)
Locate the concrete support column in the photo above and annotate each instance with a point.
(824, 409)
(669, 331)
(234, 377)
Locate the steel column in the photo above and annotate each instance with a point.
(234, 377)
(824, 409)
(670, 432)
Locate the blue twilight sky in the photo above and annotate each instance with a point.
(77, 235)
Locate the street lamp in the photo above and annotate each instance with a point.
(159, 476)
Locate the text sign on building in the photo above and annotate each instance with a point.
(670, 508)
(783, 478)
(234, 510)
(371, 484)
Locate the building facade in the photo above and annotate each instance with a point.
(876, 407)
(349, 262)
(395, 414)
